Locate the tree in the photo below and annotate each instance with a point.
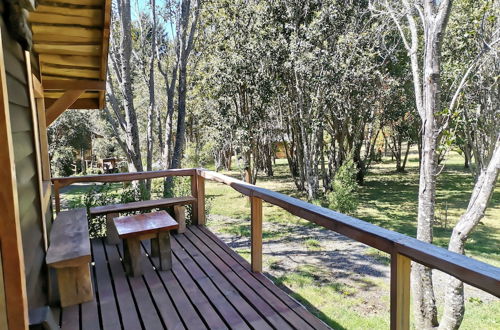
(188, 23)
(425, 54)
(124, 122)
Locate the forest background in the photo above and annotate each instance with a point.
(335, 85)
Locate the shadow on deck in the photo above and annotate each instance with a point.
(210, 286)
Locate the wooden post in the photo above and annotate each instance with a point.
(256, 223)
(10, 228)
(198, 191)
(180, 217)
(400, 292)
(57, 198)
(75, 285)
(111, 233)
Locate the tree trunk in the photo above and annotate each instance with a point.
(152, 104)
(186, 40)
(483, 189)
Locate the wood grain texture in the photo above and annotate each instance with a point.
(256, 233)
(69, 238)
(61, 105)
(3, 307)
(125, 177)
(55, 18)
(36, 143)
(89, 85)
(111, 233)
(180, 217)
(75, 285)
(70, 60)
(141, 205)
(70, 72)
(400, 292)
(10, 230)
(84, 104)
(142, 224)
(44, 141)
(63, 49)
(68, 34)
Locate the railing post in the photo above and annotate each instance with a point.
(57, 198)
(400, 292)
(198, 192)
(256, 224)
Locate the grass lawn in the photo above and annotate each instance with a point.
(387, 199)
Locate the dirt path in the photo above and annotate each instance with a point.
(330, 258)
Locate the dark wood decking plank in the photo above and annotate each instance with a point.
(126, 304)
(107, 300)
(196, 296)
(166, 280)
(89, 310)
(226, 310)
(231, 293)
(284, 310)
(285, 298)
(70, 318)
(147, 309)
(253, 298)
(165, 305)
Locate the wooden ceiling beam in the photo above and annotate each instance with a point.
(62, 104)
(80, 104)
(88, 85)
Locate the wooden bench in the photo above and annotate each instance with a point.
(69, 253)
(113, 211)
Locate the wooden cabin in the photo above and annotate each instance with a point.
(53, 57)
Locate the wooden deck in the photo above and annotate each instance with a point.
(210, 286)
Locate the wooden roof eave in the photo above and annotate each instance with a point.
(71, 38)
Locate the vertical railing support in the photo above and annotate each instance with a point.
(400, 292)
(57, 198)
(256, 249)
(198, 192)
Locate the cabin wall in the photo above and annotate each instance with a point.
(26, 170)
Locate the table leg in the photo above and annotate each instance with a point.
(165, 250)
(155, 249)
(111, 232)
(132, 256)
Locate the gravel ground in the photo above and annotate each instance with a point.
(353, 264)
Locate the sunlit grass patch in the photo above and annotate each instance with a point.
(378, 255)
(312, 244)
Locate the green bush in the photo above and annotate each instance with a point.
(100, 195)
(62, 161)
(344, 197)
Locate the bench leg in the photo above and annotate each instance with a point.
(111, 233)
(165, 250)
(155, 249)
(180, 217)
(75, 285)
(132, 257)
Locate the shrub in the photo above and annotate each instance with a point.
(62, 161)
(343, 197)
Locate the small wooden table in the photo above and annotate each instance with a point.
(133, 229)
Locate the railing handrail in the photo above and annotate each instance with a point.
(474, 272)
(121, 177)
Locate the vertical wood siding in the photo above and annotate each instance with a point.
(26, 170)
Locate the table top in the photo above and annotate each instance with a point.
(147, 223)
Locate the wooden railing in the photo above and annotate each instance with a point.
(403, 249)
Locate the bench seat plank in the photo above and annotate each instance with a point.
(141, 205)
(69, 240)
